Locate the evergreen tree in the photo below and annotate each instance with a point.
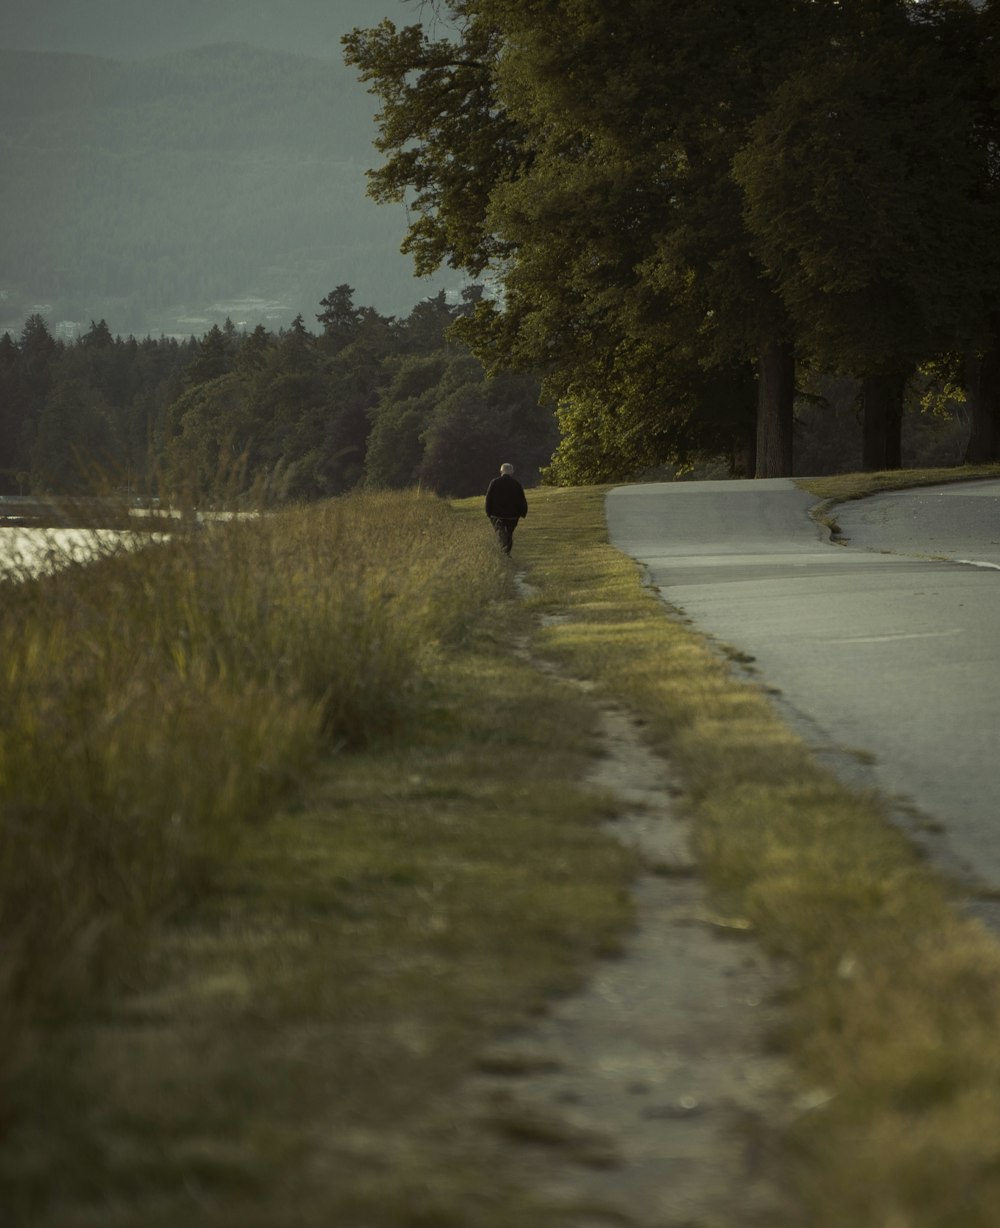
(356, 377)
(214, 357)
(283, 399)
(98, 336)
(426, 328)
(10, 423)
(38, 353)
(71, 451)
(340, 319)
(288, 418)
(39, 349)
(253, 351)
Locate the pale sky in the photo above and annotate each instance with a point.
(130, 28)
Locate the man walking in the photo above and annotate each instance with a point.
(506, 505)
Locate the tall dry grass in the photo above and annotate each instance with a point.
(155, 701)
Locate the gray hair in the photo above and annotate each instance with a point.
(506, 468)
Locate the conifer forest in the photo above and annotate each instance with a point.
(288, 416)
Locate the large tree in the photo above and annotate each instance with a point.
(976, 42)
(580, 154)
(645, 104)
(861, 184)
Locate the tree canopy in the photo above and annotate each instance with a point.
(294, 415)
(661, 193)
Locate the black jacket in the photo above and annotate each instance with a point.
(505, 498)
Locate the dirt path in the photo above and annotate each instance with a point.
(648, 1098)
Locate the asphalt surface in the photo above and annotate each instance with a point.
(883, 652)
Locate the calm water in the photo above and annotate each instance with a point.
(32, 551)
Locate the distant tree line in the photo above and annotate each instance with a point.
(292, 415)
(697, 213)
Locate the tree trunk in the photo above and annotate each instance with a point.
(982, 394)
(743, 457)
(775, 409)
(882, 430)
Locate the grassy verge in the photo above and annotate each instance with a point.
(845, 487)
(280, 1031)
(895, 1002)
(221, 1011)
(154, 702)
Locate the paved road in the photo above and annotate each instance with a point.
(960, 522)
(886, 646)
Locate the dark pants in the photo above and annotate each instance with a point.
(505, 526)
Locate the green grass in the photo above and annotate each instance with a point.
(304, 1031)
(278, 1027)
(384, 862)
(893, 1006)
(153, 702)
(846, 487)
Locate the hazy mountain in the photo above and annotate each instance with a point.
(127, 28)
(168, 191)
